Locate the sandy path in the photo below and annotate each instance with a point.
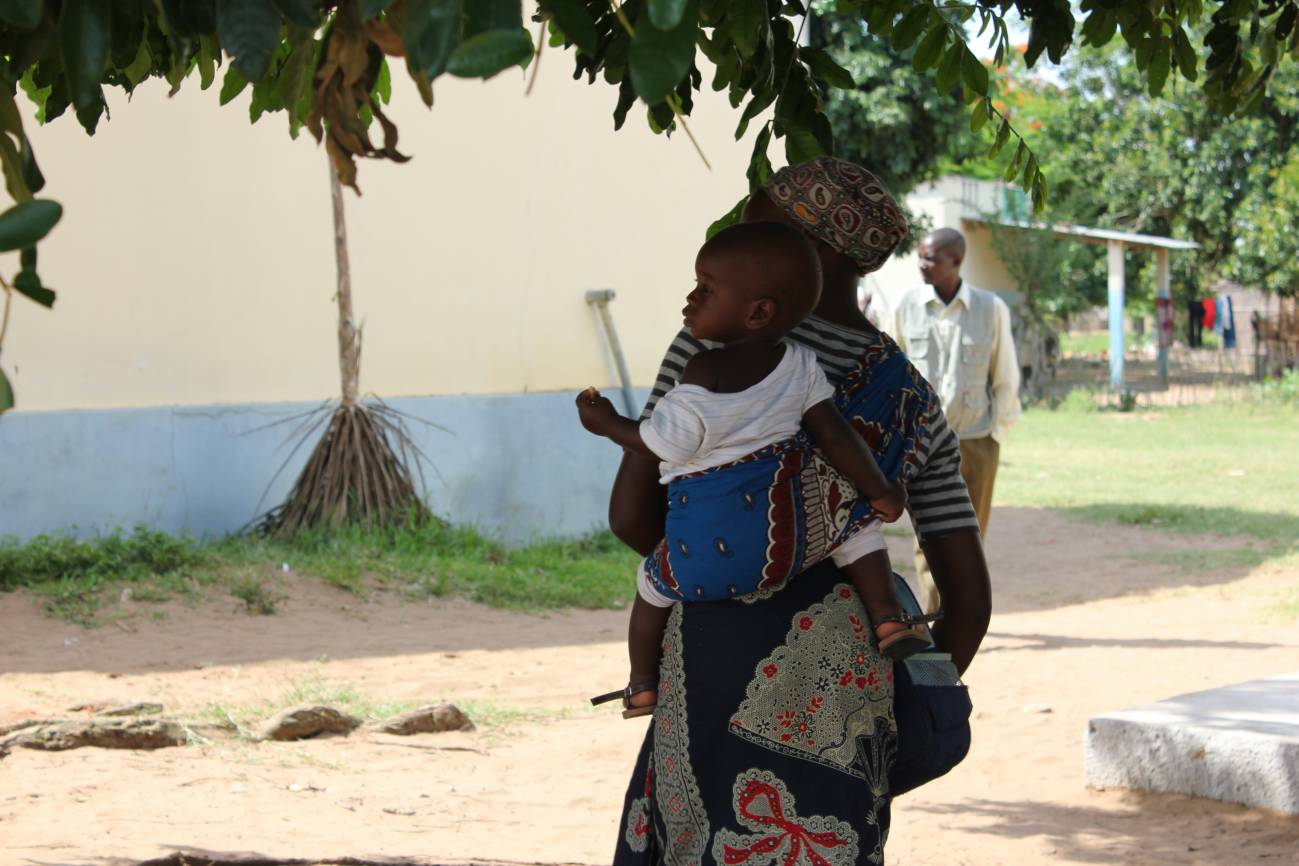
(549, 788)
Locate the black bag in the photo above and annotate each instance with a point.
(932, 708)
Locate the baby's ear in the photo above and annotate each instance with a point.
(761, 314)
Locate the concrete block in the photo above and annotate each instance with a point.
(1239, 744)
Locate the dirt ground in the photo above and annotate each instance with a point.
(1085, 623)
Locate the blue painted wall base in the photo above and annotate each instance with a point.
(517, 466)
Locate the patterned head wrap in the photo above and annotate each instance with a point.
(842, 204)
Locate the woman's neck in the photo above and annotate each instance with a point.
(838, 304)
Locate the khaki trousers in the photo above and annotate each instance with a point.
(979, 459)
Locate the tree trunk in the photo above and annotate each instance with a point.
(349, 337)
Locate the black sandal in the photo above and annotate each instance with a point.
(629, 712)
(912, 640)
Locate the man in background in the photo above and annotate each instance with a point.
(959, 338)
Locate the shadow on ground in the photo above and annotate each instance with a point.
(1151, 828)
(189, 857)
(1039, 642)
(1041, 559)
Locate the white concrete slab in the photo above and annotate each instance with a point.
(1239, 744)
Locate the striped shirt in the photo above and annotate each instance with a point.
(937, 499)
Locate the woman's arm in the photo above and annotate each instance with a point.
(949, 534)
(638, 504)
(961, 575)
(847, 452)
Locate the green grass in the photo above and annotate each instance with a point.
(1096, 342)
(436, 560)
(1221, 469)
(77, 578)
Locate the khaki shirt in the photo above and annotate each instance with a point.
(966, 351)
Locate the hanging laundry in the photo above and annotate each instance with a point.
(1194, 323)
(1227, 320)
(1210, 311)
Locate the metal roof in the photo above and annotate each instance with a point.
(1094, 235)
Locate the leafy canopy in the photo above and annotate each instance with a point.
(327, 64)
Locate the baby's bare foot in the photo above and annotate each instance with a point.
(885, 629)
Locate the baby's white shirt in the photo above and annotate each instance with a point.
(692, 428)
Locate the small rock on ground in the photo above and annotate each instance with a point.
(307, 720)
(108, 734)
(427, 720)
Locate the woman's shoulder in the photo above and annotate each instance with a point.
(816, 332)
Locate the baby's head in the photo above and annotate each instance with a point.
(753, 280)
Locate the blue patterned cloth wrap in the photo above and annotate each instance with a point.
(753, 523)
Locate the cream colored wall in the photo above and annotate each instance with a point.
(982, 267)
(901, 273)
(194, 263)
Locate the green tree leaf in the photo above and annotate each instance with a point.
(11, 159)
(759, 170)
(127, 31)
(22, 175)
(908, 30)
(1100, 26)
(659, 59)
(295, 76)
(1003, 135)
(85, 29)
(1187, 62)
(730, 218)
(304, 13)
(825, 68)
(949, 68)
(759, 103)
(1157, 71)
(666, 14)
(973, 73)
(488, 53)
(802, 145)
(1015, 161)
(745, 21)
(233, 85)
(432, 33)
(484, 15)
(575, 22)
(189, 19)
(6, 393)
(208, 52)
(371, 8)
(28, 283)
(979, 115)
(27, 222)
(626, 99)
(249, 31)
(24, 14)
(930, 48)
(141, 66)
(1030, 172)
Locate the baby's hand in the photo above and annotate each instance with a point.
(595, 411)
(891, 505)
